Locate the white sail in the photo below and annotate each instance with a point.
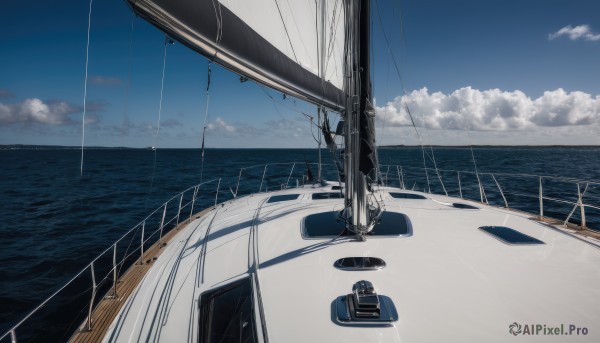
(277, 43)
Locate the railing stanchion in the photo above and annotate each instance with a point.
(437, 171)
(459, 186)
(217, 194)
(13, 336)
(238, 183)
(142, 243)
(162, 221)
(500, 189)
(290, 176)
(541, 200)
(401, 177)
(387, 172)
(179, 210)
(194, 201)
(115, 295)
(480, 188)
(89, 318)
(581, 206)
(263, 178)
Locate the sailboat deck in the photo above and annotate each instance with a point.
(108, 307)
(432, 276)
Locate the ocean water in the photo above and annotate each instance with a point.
(53, 221)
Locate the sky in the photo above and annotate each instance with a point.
(471, 72)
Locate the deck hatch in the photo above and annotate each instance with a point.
(327, 225)
(359, 263)
(464, 206)
(283, 197)
(510, 236)
(403, 195)
(227, 314)
(327, 195)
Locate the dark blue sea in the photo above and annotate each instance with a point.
(53, 221)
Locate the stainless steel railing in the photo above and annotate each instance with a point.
(560, 198)
(539, 190)
(150, 230)
(146, 235)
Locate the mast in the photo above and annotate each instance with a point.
(258, 42)
(322, 55)
(359, 153)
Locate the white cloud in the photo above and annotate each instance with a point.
(220, 126)
(493, 109)
(574, 33)
(36, 111)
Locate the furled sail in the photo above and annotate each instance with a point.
(277, 43)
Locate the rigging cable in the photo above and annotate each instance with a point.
(87, 54)
(404, 91)
(336, 15)
(205, 119)
(219, 18)
(286, 32)
(129, 72)
(432, 157)
(168, 41)
(162, 84)
(481, 189)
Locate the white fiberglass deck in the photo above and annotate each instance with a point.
(449, 281)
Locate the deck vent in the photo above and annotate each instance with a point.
(365, 307)
(399, 195)
(328, 225)
(464, 206)
(284, 197)
(328, 195)
(510, 236)
(359, 263)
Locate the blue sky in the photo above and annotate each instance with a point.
(510, 72)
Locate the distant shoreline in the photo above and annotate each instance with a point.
(60, 147)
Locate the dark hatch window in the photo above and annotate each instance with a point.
(283, 197)
(464, 206)
(227, 314)
(399, 195)
(510, 236)
(328, 195)
(327, 224)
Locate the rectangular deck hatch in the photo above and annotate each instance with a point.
(405, 195)
(510, 236)
(227, 314)
(328, 224)
(328, 195)
(283, 197)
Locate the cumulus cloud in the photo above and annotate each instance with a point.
(574, 33)
(48, 113)
(491, 110)
(105, 80)
(36, 111)
(220, 126)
